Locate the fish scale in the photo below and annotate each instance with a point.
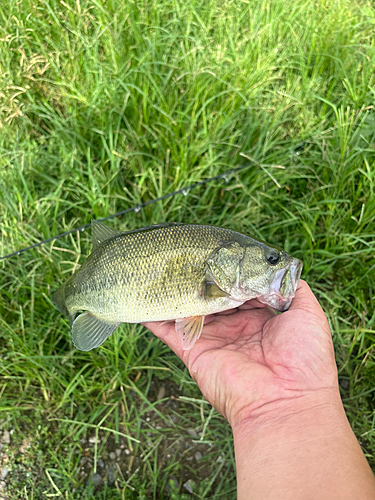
(170, 266)
(167, 272)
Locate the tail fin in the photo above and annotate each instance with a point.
(58, 298)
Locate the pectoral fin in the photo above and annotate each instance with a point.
(189, 330)
(212, 291)
(89, 332)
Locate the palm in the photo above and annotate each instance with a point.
(250, 357)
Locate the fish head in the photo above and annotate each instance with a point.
(269, 274)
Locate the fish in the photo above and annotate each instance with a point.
(171, 271)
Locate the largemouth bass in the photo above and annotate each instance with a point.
(171, 271)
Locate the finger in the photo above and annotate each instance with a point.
(306, 300)
(228, 312)
(166, 333)
(252, 304)
(246, 306)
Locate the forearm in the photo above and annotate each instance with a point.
(303, 449)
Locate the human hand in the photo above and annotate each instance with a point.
(273, 376)
(250, 359)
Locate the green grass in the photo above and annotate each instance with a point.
(104, 105)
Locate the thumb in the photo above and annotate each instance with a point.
(306, 300)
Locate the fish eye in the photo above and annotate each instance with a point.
(272, 256)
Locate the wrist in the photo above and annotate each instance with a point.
(293, 416)
(301, 448)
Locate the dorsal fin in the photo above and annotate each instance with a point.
(100, 233)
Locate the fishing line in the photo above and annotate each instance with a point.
(225, 175)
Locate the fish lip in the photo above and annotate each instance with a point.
(274, 298)
(295, 269)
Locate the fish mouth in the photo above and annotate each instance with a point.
(283, 286)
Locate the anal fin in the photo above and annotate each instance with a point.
(189, 330)
(89, 332)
